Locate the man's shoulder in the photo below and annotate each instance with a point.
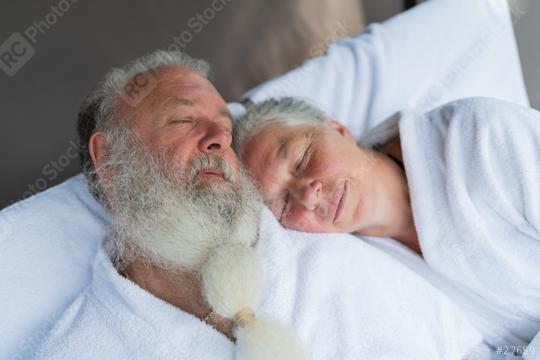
(82, 332)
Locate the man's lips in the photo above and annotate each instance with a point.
(341, 202)
(211, 173)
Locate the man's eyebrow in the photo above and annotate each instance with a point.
(226, 113)
(174, 102)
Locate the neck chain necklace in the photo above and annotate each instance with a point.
(208, 316)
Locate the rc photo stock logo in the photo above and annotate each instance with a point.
(19, 48)
(139, 87)
(14, 53)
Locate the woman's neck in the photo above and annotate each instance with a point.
(398, 205)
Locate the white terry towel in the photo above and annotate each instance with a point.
(345, 299)
(473, 168)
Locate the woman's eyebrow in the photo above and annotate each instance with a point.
(284, 148)
(287, 144)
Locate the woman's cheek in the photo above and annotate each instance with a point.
(328, 167)
(302, 221)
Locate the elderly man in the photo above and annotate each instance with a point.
(182, 273)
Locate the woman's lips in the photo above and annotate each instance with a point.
(341, 202)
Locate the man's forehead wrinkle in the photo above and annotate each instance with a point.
(174, 102)
(178, 83)
(173, 72)
(179, 87)
(183, 80)
(183, 94)
(166, 97)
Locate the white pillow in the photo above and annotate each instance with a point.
(437, 52)
(47, 242)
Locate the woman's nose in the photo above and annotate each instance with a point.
(309, 194)
(215, 140)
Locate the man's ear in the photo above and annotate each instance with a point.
(97, 147)
(342, 130)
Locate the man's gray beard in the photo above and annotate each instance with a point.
(164, 216)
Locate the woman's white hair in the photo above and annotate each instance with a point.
(287, 111)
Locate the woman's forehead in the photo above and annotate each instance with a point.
(285, 135)
(272, 147)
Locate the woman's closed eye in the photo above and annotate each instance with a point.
(301, 165)
(303, 161)
(284, 208)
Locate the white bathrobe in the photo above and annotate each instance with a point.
(473, 168)
(345, 299)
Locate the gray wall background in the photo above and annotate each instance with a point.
(39, 102)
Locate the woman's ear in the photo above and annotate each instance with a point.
(97, 147)
(342, 130)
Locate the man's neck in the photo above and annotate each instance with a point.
(181, 289)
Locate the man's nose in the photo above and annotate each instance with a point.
(309, 194)
(215, 140)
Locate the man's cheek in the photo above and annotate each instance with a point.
(233, 162)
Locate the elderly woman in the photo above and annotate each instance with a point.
(459, 185)
(314, 176)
